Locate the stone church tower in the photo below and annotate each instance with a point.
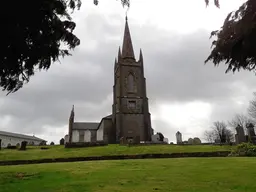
(130, 118)
(130, 112)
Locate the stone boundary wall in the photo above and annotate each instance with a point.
(117, 157)
(142, 144)
(84, 144)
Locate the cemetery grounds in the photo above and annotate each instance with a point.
(177, 174)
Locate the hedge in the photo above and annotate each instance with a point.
(118, 157)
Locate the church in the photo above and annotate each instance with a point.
(130, 120)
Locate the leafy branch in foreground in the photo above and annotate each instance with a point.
(236, 40)
(32, 34)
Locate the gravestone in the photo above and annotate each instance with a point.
(251, 133)
(23, 145)
(121, 140)
(240, 136)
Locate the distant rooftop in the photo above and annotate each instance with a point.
(18, 135)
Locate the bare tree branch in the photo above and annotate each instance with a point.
(240, 119)
(219, 131)
(252, 108)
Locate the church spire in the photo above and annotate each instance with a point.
(115, 63)
(70, 125)
(119, 54)
(141, 56)
(127, 50)
(72, 114)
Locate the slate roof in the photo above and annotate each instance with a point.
(18, 135)
(108, 117)
(85, 125)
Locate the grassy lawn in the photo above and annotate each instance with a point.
(162, 175)
(60, 151)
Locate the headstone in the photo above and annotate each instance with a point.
(251, 133)
(23, 145)
(196, 141)
(240, 138)
(121, 140)
(190, 141)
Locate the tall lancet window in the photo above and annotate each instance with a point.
(131, 83)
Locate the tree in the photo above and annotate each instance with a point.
(33, 37)
(236, 40)
(219, 131)
(252, 108)
(161, 136)
(35, 34)
(52, 143)
(33, 41)
(62, 141)
(240, 119)
(209, 136)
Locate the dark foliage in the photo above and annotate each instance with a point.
(44, 148)
(236, 40)
(11, 147)
(62, 141)
(118, 157)
(34, 35)
(52, 143)
(85, 144)
(23, 145)
(42, 143)
(219, 131)
(161, 136)
(244, 149)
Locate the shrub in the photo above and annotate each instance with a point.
(85, 144)
(11, 147)
(244, 149)
(44, 148)
(52, 143)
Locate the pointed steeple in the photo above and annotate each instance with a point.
(141, 56)
(127, 50)
(72, 114)
(119, 55)
(71, 122)
(115, 63)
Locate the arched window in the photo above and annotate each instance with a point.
(130, 83)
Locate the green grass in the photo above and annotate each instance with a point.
(60, 151)
(161, 175)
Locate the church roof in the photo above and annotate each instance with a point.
(108, 117)
(85, 125)
(18, 135)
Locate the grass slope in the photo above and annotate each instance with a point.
(60, 151)
(162, 175)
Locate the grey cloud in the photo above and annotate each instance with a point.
(173, 65)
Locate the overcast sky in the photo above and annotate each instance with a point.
(184, 94)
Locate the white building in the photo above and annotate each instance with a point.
(15, 139)
(178, 137)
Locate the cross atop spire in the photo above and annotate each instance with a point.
(127, 50)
